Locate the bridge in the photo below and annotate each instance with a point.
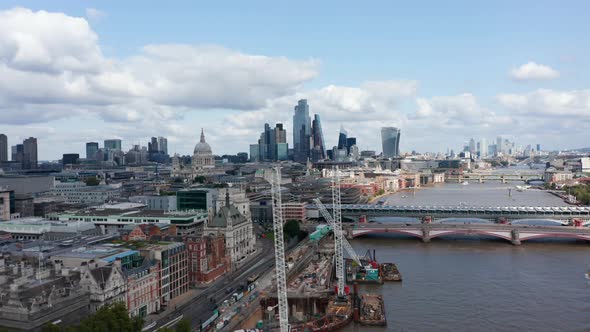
(433, 213)
(513, 233)
(504, 178)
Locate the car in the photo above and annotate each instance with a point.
(213, 306)
(229, 290)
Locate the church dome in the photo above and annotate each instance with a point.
(203, 147)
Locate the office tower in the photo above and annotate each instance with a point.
(254, 152)
(70, 159)
(390, 137)
(472, 148)
(30, 157)
(483, 148)
(3, 148)
(112, 144)
(18, 153)
(153, 145)
(350, 141)
(272, 145)
(538, 147)
(499, 144)
(301, 132)
(163, 144)
(342, 136)
(319, 146)
(91, 150)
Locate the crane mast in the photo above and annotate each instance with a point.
(281, 273)
(346, 245)
(336, 210)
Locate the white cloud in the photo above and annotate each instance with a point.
(533, 71)
(544, 102)
(94, 14)
(54, 59)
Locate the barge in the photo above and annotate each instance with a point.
(389, 272)
(368, 274)
(372, 312)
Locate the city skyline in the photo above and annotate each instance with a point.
(107, 80)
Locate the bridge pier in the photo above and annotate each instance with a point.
(425, 234)
(515, 237)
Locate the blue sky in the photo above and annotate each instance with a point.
(459, 54)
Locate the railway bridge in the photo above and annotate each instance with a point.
(562, 214)
(484, 177)
(513, 233)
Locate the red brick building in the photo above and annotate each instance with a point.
(143, 292)
(207, 258)
(145, 232)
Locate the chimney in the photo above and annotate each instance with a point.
(117, 263)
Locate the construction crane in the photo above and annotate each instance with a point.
(337, 212)
(330, 221)
(281, 273)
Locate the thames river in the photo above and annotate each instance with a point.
(482, 284)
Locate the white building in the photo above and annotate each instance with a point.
(237, 229)
(106, 284)
(237, 198)
(79, 192)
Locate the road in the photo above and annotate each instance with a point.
(197, 309)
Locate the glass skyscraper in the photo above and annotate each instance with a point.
(301, 131)
(319, 147)
(390, 139)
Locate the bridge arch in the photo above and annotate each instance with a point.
(573, 236)
(362, 232)
(505, 235)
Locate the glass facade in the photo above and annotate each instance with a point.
(390, 139)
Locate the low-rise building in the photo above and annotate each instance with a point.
(143, 291)
(294, 211)
(105, 284)
(79, 192)
(173, 276)
(112, 220)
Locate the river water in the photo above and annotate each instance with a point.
(477, 283)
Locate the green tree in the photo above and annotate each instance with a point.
(183, 326)
(48, 327)
(112, 318)
(199, 179)
(291, 229)
(92, 181)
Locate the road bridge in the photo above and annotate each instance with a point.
(513, 233)
(496, 214)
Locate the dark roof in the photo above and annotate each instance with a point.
(101, 275)
(227, 214)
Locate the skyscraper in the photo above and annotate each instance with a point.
(342, 136)
(163, 144)
(472, 148)
(3, 148)
(272, 145)
(350, 141)
(390, 137)
(30, 160)
(301, 131)
(499, 144)
(483, 148)
(153, 145)
(91, 150)
(319, 147)
(112, 144)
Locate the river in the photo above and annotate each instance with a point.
(477, 283)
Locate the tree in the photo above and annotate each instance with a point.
(112, 318)
(48, 327)
(92, 181)
(291, 228)
(183, 326)
(199, 179)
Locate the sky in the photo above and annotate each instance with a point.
(443, 71)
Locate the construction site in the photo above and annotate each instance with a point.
(308, 290)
